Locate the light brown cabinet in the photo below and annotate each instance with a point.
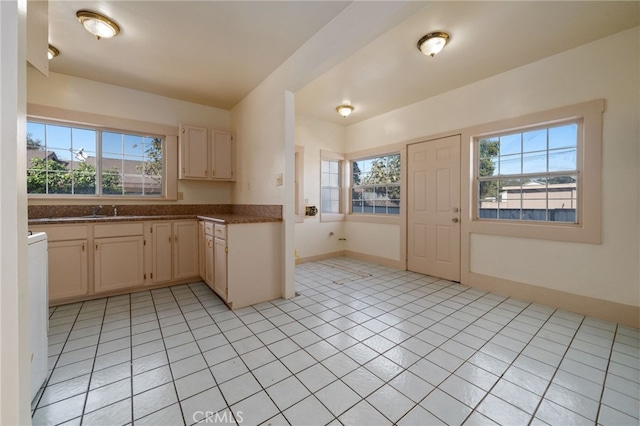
(118, 260)
(206, 154)
(220, 256)
(68, 259)
(68, 263)
(118, 263)
(201, 250)
(175, 250)
(243, 262)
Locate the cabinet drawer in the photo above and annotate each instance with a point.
(221, 231)
(63, 233)
(119, 230)
(208, 228)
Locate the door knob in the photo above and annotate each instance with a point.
(456, 210)
(455, 220)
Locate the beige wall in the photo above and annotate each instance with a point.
(264, 121)
(313, 236)
(77, 94)
(607, 68)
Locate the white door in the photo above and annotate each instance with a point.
(433, 201)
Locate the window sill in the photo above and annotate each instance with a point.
(372, 218)
(331, 217)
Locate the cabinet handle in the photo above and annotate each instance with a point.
(205, 173)
(213, 173)
(176, 239)
(170, 238)
(82, 246)
(96, 246)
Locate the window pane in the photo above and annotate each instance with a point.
(535, 140)
(35, 136)
(510, 164)
(58, 137)
(84, 139)
(111, 145)
(563, 136)
(111, 182)
(563, 160)
(534, 162)
(511, 144)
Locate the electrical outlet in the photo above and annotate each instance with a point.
(248, 185)
(279, 179)
(306, 201)
(180, 195)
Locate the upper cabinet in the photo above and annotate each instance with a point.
(206, 154)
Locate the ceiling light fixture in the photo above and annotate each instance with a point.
(433, 43)
(98, 25)
(344, 110)
(52, 52)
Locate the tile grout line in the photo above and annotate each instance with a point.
(533, 416)
(93, 365)
(606, 374)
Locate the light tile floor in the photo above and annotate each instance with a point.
(361, 344)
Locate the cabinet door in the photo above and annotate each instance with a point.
(118, 263)
(162, 252)
(194, 148)
(68, 275)
(221, 155)
(209, 261)
(220, 273)
(202, 244)
(185, 249)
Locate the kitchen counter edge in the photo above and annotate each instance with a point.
(220, 218)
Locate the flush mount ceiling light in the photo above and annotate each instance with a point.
(98, 25)
(52, 52)
(433, 43)
(344, 110)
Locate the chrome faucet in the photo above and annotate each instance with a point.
(95, 210)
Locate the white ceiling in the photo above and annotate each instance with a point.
(215, 52)
(207, 52)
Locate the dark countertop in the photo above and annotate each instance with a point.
(227, 218)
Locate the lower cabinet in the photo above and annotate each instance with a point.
(243, 262)
(209, 265)
(175, 250)
(68, 260)
(118, 263)
(220, 281)
(201, 250)
(68, 269)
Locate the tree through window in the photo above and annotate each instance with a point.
(69, 160)
(376, 185)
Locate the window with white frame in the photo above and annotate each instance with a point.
(330, 177)
(74, 160)
(539, 175)
(375, 185)
(529, 175)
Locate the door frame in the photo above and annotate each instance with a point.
(464, 195)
